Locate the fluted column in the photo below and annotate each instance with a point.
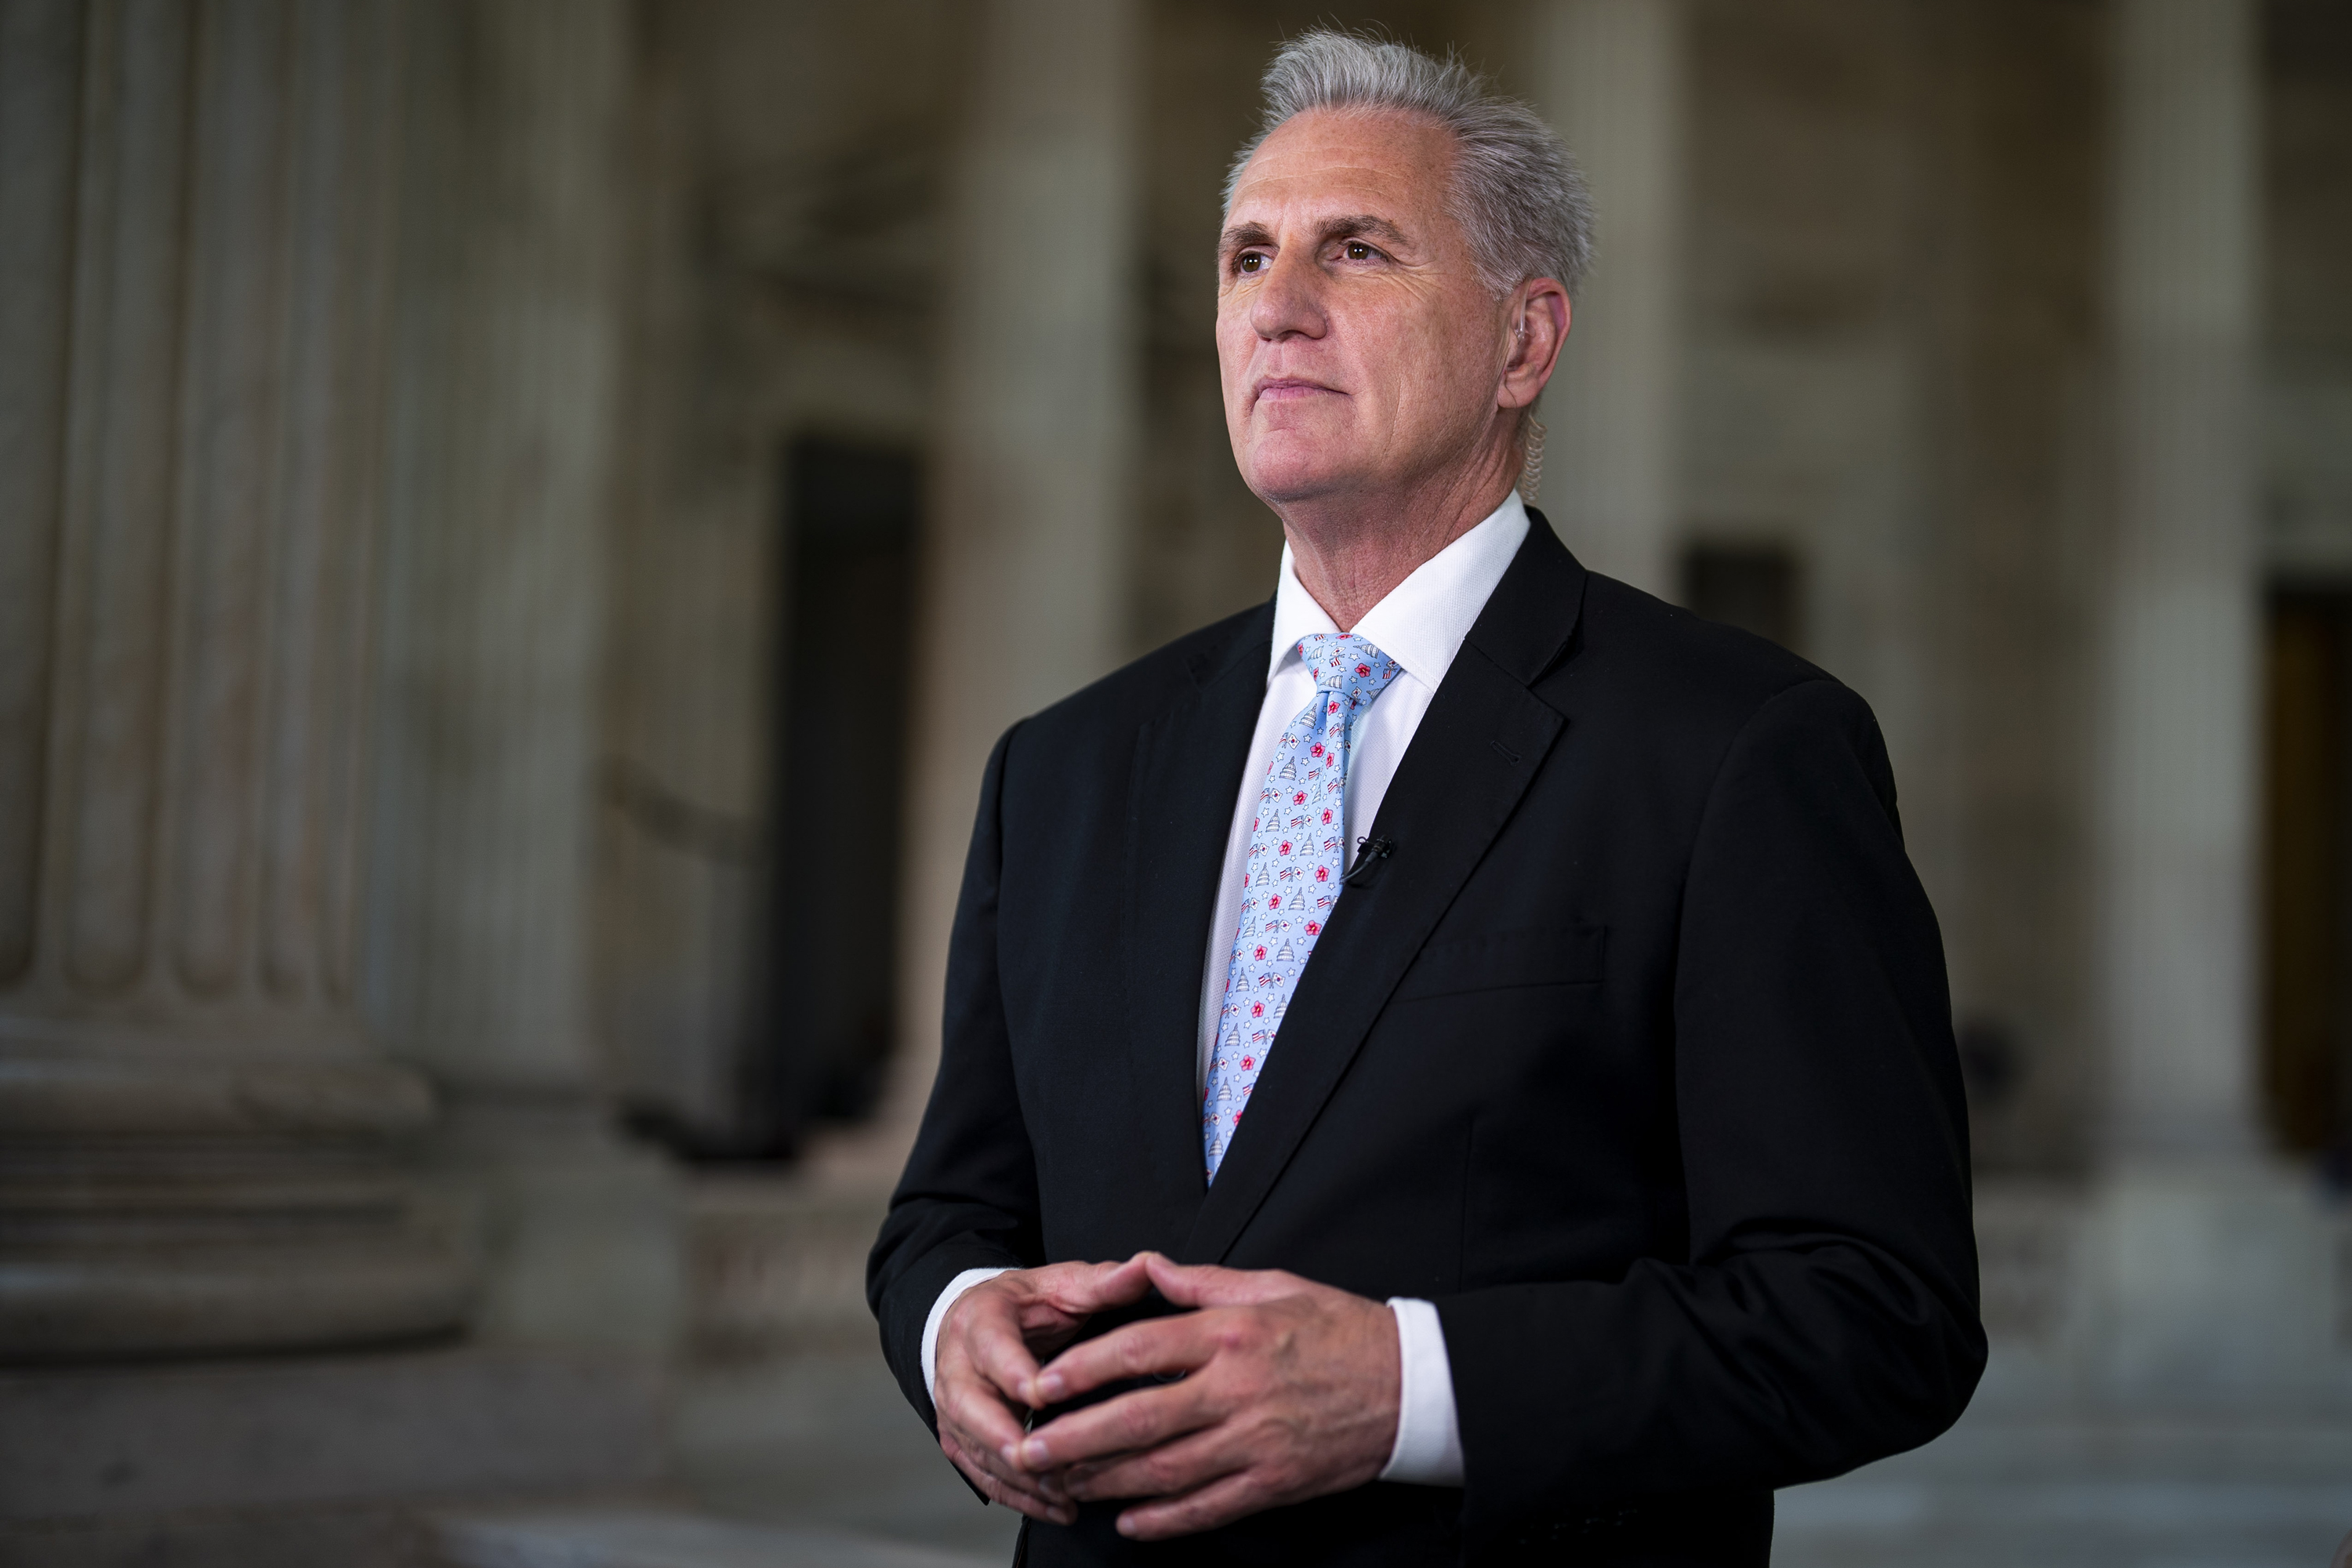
(479, 892)
(1611, 76)
(198, 1151)
(1024, 595)
(2206, 1269)
(2176, 809)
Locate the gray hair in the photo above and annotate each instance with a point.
(1517, 192)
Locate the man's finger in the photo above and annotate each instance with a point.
(1144, 1418)
(1165, 1469)
(1047, 1491)
(1220, 1502)
(981, 1421)
(993, 1346)
(1147, 1349)
(996, 1488)
(1083, 1288)
(976, 1457)
(984, 1367)
(1204, 1285)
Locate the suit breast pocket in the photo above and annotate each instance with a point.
(1507, 960)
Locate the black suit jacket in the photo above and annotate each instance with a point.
(1635, 1056)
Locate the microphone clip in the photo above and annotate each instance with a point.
(1369, 852)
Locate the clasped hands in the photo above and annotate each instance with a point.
(1280, 1390)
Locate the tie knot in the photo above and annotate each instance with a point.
(1347, 665)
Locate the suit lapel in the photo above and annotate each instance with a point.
(1478, 746)
(1188, 771)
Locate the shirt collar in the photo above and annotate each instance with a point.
(1423, 620)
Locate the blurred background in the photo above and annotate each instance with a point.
(519, 520)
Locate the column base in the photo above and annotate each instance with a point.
(157, 1205)
(578, 1235)
(2210, 1285)
(2168, 1286)
(210, 1300)
(301, 1461)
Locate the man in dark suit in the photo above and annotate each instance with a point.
(1606, 1167)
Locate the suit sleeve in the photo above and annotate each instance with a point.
(1824, 1313)
(969, 1197)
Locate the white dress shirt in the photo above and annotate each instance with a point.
(1421, 624)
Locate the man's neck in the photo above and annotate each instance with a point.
(1350, 553)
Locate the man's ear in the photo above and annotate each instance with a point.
(1540, 316)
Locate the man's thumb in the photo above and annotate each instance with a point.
(1205, 1285)
(1110, 1285)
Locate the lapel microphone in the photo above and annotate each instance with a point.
(1369, 852)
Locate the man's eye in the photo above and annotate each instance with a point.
(1250, 262)
(1358, 250)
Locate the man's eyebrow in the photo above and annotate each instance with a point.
(1364, 225)
(1242, 234)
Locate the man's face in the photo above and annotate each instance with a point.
(1358, 347)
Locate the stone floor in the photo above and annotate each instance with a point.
(826, 1441)
(665, 1537)
(2086, 1494)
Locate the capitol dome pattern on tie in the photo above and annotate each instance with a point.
(1298, 853)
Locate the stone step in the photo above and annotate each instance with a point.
(2062, 1524)
(85, 1444)
(2153, 1492)
(646, 1538)
(776, 1264)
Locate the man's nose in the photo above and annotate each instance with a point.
(1289, 300)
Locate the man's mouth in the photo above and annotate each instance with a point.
(1290, 389)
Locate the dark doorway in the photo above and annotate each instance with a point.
(2307, 873)
(1756, 587)
(851, 516)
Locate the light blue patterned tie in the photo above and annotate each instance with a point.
(1297, 855)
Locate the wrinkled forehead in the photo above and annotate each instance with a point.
(1397, 164)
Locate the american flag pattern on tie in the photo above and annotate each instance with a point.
(1297, 855)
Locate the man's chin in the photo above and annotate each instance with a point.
(1304, 477)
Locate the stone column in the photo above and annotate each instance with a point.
(1611, 77)
(2176, 800)
(198, 1150)
(503, 433)
(2207, 1267)
(1025, 593)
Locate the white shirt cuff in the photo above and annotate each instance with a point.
(956, 1287)
(1428, 1450)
